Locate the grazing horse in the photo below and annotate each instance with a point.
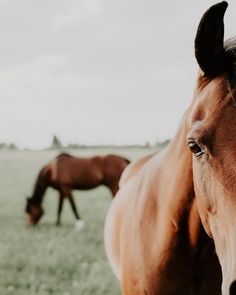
(171, 228)
(66, 173)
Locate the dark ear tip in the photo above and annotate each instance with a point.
(216, 9)
(209, 40)
(214, 13)
(222, 6)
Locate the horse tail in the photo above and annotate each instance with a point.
(127, 161)
(41, 184)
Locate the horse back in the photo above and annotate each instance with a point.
(75, 172)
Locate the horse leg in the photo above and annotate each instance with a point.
(79, 222)
(73, 206)
(60, 205)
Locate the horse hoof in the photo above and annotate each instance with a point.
(79, 224)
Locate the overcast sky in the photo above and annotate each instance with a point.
(97, 71)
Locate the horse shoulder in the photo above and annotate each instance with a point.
(121, 223)
(61, 168)
(113, 229)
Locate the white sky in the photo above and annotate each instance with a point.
(97, 71)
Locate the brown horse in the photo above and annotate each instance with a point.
(66, 173)
(171, 229)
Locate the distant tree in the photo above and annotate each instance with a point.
(8, 146)
(2, 145)
(56, 143)
(164, 143)
(74, 146)
(147, 144)
(12, 146)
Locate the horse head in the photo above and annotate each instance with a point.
(212, 138)
(34, 211)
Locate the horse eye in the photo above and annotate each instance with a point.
(195, 148)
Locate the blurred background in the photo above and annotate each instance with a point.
(86, 77)
(97, 71)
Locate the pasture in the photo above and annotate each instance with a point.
(48, 259)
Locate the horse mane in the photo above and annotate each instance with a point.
(230, 49)
(230, 46)
(40, 186)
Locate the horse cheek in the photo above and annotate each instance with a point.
(202, 196)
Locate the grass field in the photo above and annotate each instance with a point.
(47, 259)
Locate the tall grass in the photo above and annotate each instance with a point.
(48, 259)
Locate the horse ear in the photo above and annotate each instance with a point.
(209, 41)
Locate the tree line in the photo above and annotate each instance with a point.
(56, 144)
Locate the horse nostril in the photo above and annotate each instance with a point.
(232, 289)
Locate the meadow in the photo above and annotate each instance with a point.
(48, 259)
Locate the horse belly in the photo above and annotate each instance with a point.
(85, 185)
(79, 180)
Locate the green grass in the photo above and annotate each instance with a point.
(48, 259)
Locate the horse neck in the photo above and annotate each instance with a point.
(40, 187)
(182, 240)
(197, 234)
(178, 160)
